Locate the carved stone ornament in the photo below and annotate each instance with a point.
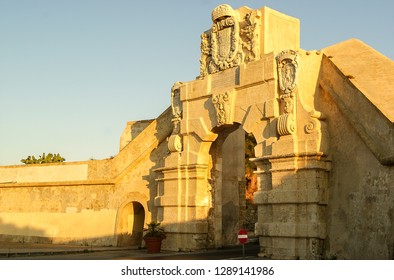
(224, 39)
(175, 140)
(176, 104)
(221, 47)
(287, 62)
(250, 36)
(314, 124)
(286, 124)
(223, 105)
(233, 39)
(205, 53)
(175, 143)
(287, 65)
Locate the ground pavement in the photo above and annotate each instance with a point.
(13, 250)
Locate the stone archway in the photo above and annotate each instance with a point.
(227, 184)
(195, 198)
(225, 158)
(130, 224)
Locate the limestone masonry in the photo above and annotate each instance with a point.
(323, 123)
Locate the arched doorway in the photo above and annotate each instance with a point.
(227, 182)
(131, 218)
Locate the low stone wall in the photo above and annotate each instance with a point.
(54, 172)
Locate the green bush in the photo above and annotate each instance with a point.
(50, 158)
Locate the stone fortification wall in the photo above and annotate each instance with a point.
(355, 99)
(84, 203)
(44, 173)
(132, 130)
(80, 214)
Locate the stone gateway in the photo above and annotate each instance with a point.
(323, 124)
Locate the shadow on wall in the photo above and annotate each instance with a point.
(128, 232)
(15, 234)
(158, 157)
(9, 233)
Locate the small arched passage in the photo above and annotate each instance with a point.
(130, 224)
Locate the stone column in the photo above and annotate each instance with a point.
(291, 199)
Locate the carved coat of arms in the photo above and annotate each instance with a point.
(232, 39)
(224, 39)
(287, 71)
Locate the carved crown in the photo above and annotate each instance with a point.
(223, 10)
(287, 55)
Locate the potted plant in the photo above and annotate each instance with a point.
(153, 237)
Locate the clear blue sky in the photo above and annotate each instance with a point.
(73, 72)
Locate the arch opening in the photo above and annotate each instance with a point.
(131, 219)
(230, 178)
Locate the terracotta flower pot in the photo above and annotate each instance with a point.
(153, 244)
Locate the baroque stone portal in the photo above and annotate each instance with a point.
(324, 155)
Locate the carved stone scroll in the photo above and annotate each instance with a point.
(286, 124)
(314, 124)
(175, 143)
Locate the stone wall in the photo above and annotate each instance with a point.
(44, 173)
(131, 131)
(360, 218)
(360, 124)
(79, 214)
(83, 202)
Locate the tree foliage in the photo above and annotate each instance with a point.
(251, 179)
(50, 158)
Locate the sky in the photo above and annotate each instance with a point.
(74, 72)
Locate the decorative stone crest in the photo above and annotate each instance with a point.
(223, 106)
(224, 39)
(175, 140)
(287, 62)
(231, 40)
(287, 65)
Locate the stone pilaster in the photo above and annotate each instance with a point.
(182, 206)
(292, 199)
